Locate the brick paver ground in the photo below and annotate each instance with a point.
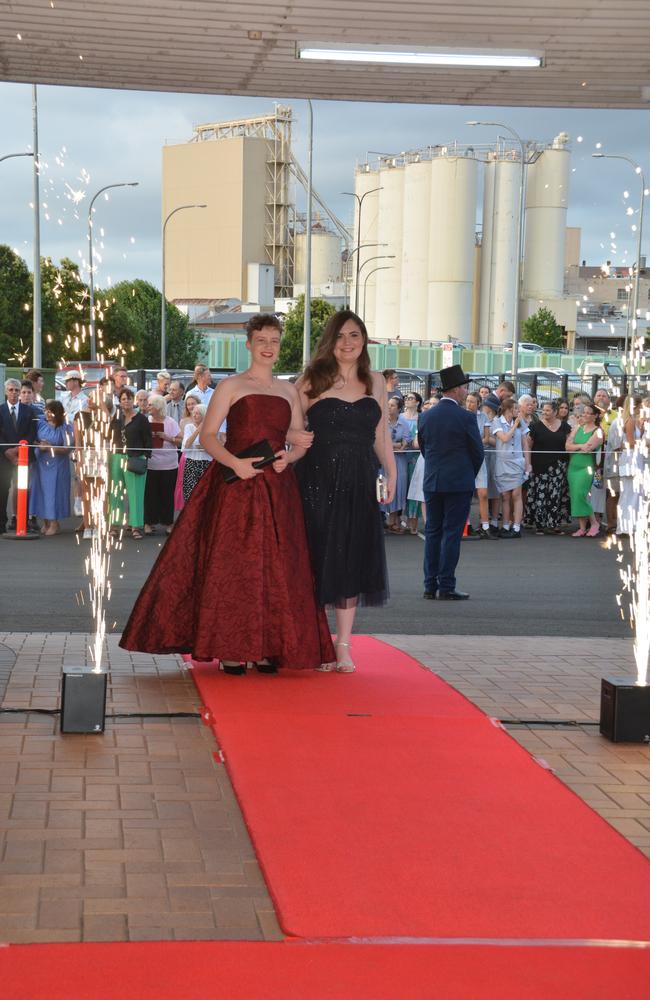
(136, 834)
(130, 835)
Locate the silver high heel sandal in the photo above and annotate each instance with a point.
(344, 664)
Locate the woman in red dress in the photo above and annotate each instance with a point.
(248, 593)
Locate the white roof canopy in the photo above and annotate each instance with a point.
(595, 52)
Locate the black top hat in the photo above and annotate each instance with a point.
(452, 377)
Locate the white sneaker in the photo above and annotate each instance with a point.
(88, 533)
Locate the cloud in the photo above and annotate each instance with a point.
(119, 135)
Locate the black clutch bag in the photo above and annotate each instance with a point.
(262, 448)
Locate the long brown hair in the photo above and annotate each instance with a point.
(323, 370)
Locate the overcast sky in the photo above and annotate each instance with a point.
(89, 138)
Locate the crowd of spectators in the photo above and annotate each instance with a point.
(556, 468)
(142, 446)
(562, 467)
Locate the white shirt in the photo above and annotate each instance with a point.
(73, 404)
(450, 399)
(203, 395)
(194, 451)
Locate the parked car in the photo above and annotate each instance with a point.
(185, 376)
(610, 375)
(525, 346)
(418, 380)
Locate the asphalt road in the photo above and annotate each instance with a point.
(553, 585)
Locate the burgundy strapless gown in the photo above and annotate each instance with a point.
(234, 580)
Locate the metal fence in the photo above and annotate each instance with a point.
(544, 387)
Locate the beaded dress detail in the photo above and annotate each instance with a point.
(337, 479)
(234, 580)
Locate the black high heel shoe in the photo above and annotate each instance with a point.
(266, 666)
(231, 667)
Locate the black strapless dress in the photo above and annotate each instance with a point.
(337, 480)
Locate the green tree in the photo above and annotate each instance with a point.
(15, 307)
(65, 312)
(542, 328)
(290, 359)
(128, 327)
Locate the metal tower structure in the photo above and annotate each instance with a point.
(275, 130)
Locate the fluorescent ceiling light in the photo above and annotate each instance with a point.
(491, 58)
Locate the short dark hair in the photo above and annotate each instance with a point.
(55, 406)
(27, 384)
(33, 375)
(510, 386)
(120, 368)
(259, 321)
(127, 390)
(388, 373)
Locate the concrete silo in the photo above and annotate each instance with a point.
(389, 238)
(325, 257)
(365, 180)
(499, 249)
(451, 247)
(547, 193)
(415, 251)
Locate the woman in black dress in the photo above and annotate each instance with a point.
(345, 403)
(547, 503)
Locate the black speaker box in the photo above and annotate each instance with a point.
(624, 710)
(83, 700)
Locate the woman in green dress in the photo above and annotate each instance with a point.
(583, 441)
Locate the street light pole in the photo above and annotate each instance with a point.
(9, 156)
(351, 253)
(163, 300)
(306, 323)
(637, 274)
(37, 348)
(368, 260)
(36, 313)
(359, 199)
(382, 267)
(379, 256)
(520, 240)
(93, 339)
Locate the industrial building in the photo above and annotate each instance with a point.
(247, 245)
(426, 273)
(427, 270)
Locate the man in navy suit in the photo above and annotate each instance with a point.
(17, 422)
(453, 453)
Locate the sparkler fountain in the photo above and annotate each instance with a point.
(625, 702)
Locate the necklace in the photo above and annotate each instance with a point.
(341, 381)
(266, 386)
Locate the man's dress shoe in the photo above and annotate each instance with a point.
(452, 595)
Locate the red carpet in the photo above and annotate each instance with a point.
(246, 971)
(383, 804)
